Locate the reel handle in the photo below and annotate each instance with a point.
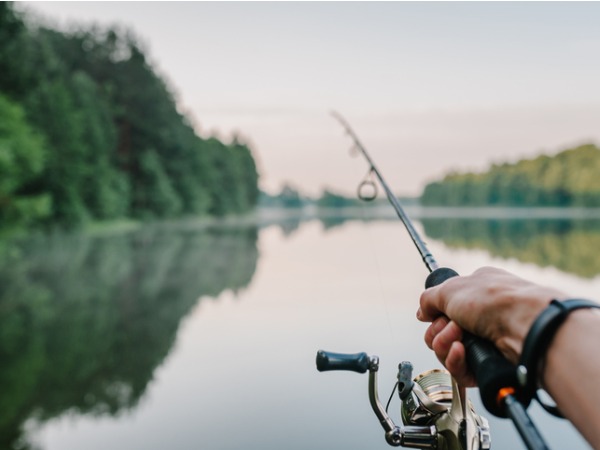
(355, 362)
(491, 369)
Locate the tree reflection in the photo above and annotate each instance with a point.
(85, 321)
(569, 245)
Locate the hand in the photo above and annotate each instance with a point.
(491, 303)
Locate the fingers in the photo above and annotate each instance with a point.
(456, 363)
(430, 305)
(434, 329)
(444, 337)
(440, 336)
(454, 294)
(482, 303)
(434, 301)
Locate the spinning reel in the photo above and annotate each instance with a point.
(436, 414)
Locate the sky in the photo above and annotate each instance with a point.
(428, 87)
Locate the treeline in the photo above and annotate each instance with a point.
(89, 131)
(290, 197)
(570, 178)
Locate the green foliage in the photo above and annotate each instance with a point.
(113, 141)
(330, 199)
(233, 184)
(22, 158)
(157, 198)
(288, 197)
(569, 178)
(16, 72)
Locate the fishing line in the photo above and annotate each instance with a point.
(391, 396)
(375, 254)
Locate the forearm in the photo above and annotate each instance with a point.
(571, 372)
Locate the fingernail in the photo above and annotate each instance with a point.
(419, 314)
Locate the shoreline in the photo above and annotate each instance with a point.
(266, 216)
(432, 212)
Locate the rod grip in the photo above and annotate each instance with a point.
(356, 362)
(492, 371)
(438, 276)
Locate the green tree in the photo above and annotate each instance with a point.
(115, 143)
(156, 197)
(569, 178)
(22, 159)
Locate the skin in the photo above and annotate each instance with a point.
(501, 307)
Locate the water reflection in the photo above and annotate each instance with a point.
(290, 222)
(570, 245)
(85, 321)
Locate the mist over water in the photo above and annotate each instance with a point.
(178, 337)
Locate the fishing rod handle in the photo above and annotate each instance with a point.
(355, 362)
(492, 371)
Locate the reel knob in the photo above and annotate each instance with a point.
(355, 362)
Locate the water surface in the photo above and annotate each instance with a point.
(183, 337)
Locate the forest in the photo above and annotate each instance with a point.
(567, 179)
(90, 132)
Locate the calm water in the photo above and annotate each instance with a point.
(182, 338)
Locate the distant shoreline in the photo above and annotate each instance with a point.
(431, 212)
(266, 216)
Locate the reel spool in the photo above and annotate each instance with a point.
(436, 385)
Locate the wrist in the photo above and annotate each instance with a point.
(521, 311)
(569, 337)
(571, 369)
(545, 329)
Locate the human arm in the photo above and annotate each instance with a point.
(501, 307)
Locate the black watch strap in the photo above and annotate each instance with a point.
(539, 338)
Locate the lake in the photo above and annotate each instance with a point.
(177, 336)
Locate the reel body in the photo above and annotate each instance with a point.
(435, 413)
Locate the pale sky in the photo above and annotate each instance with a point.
(428, 87)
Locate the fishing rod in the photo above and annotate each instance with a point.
(435, 411)
(428, 258)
